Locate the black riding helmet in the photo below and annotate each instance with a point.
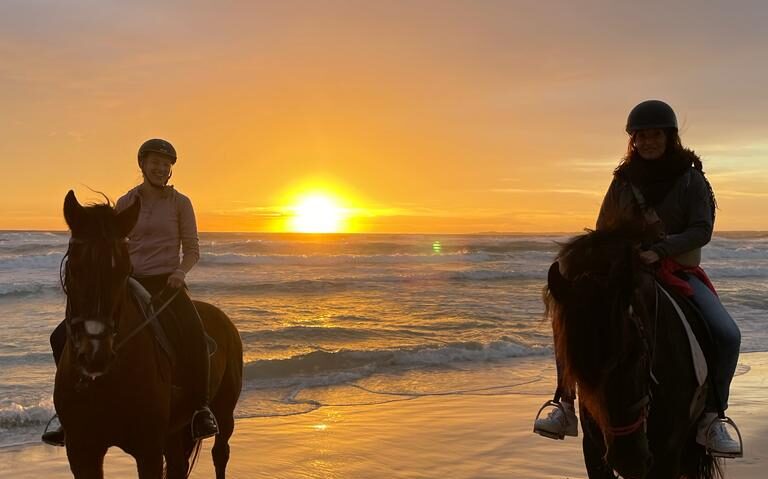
(651, 114)
(156, 145)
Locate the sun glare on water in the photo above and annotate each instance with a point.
(318, 213)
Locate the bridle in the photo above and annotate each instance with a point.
(110, 327)
(102, 325)
(643, 405)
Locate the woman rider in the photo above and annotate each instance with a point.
(166, 224)
(668, 178)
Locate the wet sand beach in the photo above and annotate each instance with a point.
(480, 434)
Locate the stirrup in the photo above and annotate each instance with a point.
(542, 432)
(45, 432)
(196, 434)
(728, 455)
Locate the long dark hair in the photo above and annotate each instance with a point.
(674, 148)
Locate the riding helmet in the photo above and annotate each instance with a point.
(651, 114)
(157, 145)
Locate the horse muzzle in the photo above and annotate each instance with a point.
(94, 350)
(630, 457)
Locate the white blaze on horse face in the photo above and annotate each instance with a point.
(95, 344)
(94, 327)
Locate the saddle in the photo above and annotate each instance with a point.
(153, 317)
(699, 338)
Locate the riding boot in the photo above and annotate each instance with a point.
(195, 352)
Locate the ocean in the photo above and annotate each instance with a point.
(348, 319)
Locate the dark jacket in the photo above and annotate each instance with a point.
(686, 213)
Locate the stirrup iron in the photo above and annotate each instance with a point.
(542, 432)
(729, 455)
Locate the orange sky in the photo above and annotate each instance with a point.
(438, 116)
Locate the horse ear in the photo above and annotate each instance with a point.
(558, 285)
(127, 218)
(73, 211)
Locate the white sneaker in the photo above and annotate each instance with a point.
(714, 436)
(560, 422)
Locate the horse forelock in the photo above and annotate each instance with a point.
(95, 255)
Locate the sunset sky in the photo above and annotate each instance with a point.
(414, 116)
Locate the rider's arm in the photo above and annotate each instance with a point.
(698, 230)
(190, 248)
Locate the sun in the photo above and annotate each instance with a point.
(318, 213)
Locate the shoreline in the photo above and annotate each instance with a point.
(452, 435)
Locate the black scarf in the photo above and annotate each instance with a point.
(655, 178)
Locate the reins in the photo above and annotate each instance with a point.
(154, 314)
(111, 328)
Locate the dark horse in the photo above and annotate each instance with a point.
(114, 388)
(619, 340)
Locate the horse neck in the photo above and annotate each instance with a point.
(132, 318)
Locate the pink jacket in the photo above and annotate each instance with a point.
(165, 225)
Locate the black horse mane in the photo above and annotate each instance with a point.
(593, 332)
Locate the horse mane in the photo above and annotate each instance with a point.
(591, 340)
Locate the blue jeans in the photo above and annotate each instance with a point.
(726, 338)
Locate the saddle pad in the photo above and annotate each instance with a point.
(699, 361)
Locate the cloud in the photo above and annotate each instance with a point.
(741, 194)
(546, 191)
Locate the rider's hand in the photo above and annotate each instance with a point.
(176, 280)
(649, 257)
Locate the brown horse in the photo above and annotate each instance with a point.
(619, 340)
(114, 391)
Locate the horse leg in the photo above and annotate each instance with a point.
(223, 407)
(176, 458)
(220, 451)
(86, 463)
(150, 465)
(593, 448)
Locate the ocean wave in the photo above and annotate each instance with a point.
(495, 275)
(25, 358)
(730, 271)
(373, 245)
(40, 261)
(335, 366)
(27, 289)
(16, 415)
(308, 333)
(301, 286)
(32, 249)
(345, 259)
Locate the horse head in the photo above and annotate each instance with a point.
(594, 296)
(95, 272)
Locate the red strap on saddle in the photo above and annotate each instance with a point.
(665, 272)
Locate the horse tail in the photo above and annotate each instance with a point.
(195, 455)
(697, 464)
